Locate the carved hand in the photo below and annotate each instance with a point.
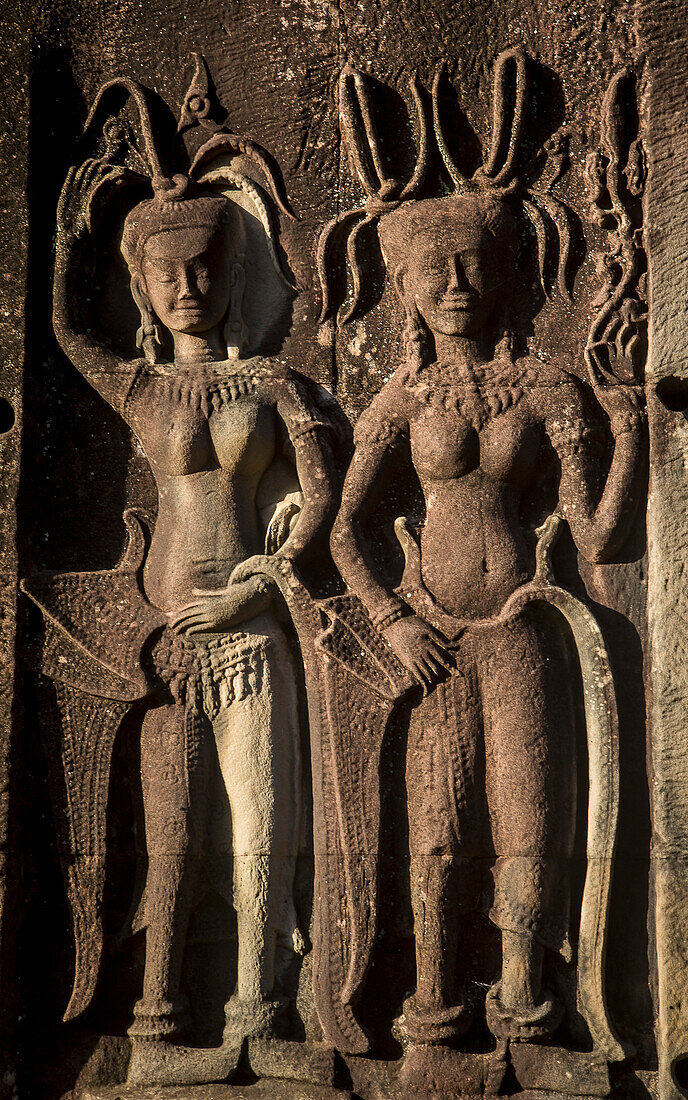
(79, 193)
(420, 649)
(624, 405)
(248, 569)
(280, 525)
(223, 608)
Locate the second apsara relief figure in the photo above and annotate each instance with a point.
(495, 435)
(205, 634)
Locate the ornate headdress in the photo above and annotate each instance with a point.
(179, 199)
(497, 191)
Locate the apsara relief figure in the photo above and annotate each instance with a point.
(490, 432)
(239, 452)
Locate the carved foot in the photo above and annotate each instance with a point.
(552, 1070)
(281, 1060)
(431, 1024)
(528, 1024)
(156, 1062)
(245, 1019)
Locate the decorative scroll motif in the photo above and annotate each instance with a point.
(617, 342)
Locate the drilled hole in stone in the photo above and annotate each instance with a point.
(673, 393)
(7, 416)
(679, 1071)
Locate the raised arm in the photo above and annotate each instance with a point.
(107, 373)
(600, 526)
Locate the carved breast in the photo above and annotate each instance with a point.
(244, 436)
(180, 437)
(446, 446)
(509, 448)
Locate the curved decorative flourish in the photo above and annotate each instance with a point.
(221, 144)
(497, 175)
(617, 342)
(95, 627)
(455, 174)
(507, 125)
(602, 735)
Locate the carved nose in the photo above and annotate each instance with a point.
(185, 290)
(457, 276)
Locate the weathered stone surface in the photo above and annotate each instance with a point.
(407, 819)
(268, 1089)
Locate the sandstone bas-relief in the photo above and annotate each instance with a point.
(490, 756)
(482, 660)
(184, 625)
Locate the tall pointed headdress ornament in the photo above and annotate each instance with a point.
(173, 192)
(497, 178)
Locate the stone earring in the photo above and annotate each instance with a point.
(236, 331)
(148, 335)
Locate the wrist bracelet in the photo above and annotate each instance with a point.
(381, 620)
(627, 422)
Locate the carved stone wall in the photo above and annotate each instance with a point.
(399, 808)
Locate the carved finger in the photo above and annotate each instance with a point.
(193, 605)
(182, 620)
(80, 173)
(423, 675)
(94, 169)
(441, 654)
(203, 627)
(437, 668)
(430, 671)
(201, 618)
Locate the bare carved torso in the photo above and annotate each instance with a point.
(208, 468)
(473, 476)
(481, 440)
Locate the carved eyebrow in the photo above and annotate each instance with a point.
(162, 260)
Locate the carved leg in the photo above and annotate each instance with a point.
(175, 801)
(442, 743)
(530, 780)
(522, 958)
(162, 1011)
(154, 1059)
(258, 748)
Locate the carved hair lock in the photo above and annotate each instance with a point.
(496, 184)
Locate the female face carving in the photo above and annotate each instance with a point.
(452, 277)
(187, 276)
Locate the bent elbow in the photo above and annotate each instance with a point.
(598, 551)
